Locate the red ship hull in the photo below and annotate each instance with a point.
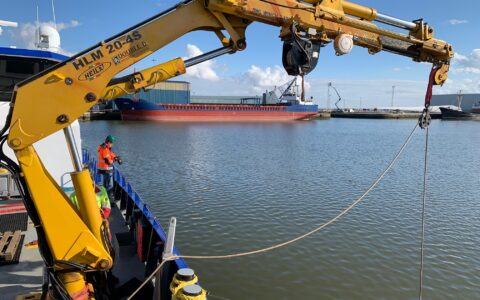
(214, 116)
(145, 110)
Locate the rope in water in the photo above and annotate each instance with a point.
(283, 244)
(424, 200)
(424, 123)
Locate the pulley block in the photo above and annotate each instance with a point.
(300, 55)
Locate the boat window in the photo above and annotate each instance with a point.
(46, 64)
(16, 69)
(20, 67)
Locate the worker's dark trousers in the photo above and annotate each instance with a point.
(106, 181)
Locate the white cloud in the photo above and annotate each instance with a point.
(459, 58)
(201, 71)
(466, 85)
(254, 81)
(25, 33)
(470, 70)
(467, 64)
(400, 69)
(457, 22)
(257, 79)
(372, 93)
(73, 23)
(260, 79)
(464, 75)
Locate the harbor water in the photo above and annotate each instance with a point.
(241, 187)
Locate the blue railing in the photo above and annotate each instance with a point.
(130, 201)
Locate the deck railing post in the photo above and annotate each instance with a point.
(163, 274)
(168, 250)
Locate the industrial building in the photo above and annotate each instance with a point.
(466, 101)
(175, 92)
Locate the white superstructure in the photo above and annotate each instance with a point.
(52, 150)
(47, 38)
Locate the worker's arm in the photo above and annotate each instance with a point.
(53, 99)
(115, 158)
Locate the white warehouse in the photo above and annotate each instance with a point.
(467, 100)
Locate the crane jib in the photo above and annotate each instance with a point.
(131, 41)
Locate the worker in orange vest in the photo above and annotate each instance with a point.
(106, 158)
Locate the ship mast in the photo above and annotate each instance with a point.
(459, 99)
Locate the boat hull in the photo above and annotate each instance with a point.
(452, 114)
(146, 111)
(212, 116)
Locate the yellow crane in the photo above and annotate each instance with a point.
(73, 241)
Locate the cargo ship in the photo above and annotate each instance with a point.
(456, 112)
(289, 106)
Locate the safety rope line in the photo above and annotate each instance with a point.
(424, 200)
(283, 244)
(424, 123)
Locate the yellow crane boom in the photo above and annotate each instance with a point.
(419, 44)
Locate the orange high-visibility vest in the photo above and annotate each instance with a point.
(106, 157)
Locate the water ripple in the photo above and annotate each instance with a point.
(238, 187)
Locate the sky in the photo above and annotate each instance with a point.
(362, 79)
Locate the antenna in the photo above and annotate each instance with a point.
(37, 30)
(393, 94)
(38, 18)
(54, 19)
(8, 23)
(459, 99)
(328, 95)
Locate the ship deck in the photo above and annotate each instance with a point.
(26, 276)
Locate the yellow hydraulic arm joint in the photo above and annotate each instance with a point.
(129, 84)
(348, 8)
(88, 207)
(68, 236)
(362, 12)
